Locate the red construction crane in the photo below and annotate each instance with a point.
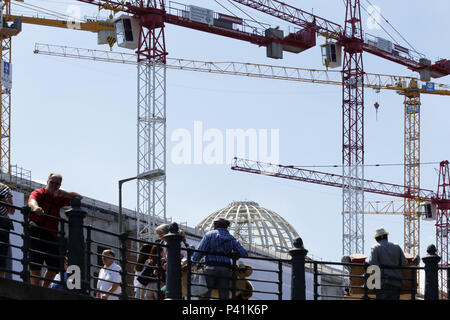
(440, 200)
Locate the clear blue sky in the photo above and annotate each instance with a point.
(79, 118)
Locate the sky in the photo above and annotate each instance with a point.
(78, 118)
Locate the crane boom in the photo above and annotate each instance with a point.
(176, 14)
(246, 31)
(328, 179)
(295, 16)
(334, 31)
(92, 26)
(383, 207)
(396, 83)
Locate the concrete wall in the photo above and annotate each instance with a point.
(15, 290)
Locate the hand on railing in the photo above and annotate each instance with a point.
(39, 211)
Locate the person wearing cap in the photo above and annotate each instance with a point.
(220, 243)
(388, 254)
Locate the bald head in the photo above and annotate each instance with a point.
(54, 182)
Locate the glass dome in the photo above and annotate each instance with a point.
(252, 224)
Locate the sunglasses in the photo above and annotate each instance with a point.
(55, 183)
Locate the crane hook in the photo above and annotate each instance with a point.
(376, 105)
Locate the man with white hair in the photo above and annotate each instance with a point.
(109, 278)
(388, 254)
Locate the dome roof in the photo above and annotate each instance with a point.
(254, 225)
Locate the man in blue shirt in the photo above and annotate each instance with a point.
(219, 242)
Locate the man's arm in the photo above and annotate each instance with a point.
(240, 249)
(34, 205)
(113, 288)
(69, 194)
(33, 202)
(403, 260)
(374, 257)
(115, 283)
(10, 209)
(97, 294)
(202, 246)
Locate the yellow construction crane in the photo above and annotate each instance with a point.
(7, 31)
(10, 26)
(92, 26)
(410, 87)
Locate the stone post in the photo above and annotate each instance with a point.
(298, 285)
(431, 261)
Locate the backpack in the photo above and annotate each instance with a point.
(144, 277)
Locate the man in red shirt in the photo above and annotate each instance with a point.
(45, 204)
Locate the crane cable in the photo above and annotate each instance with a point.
(43, 10)
(365, 165)
(381, 15)
(229, 11)
(246, 14)
(393, 39)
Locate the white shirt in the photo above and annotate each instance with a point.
(111, 275)
(136, 275)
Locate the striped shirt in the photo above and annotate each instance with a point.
(5, 192)
(5, 222)
(218, 241)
